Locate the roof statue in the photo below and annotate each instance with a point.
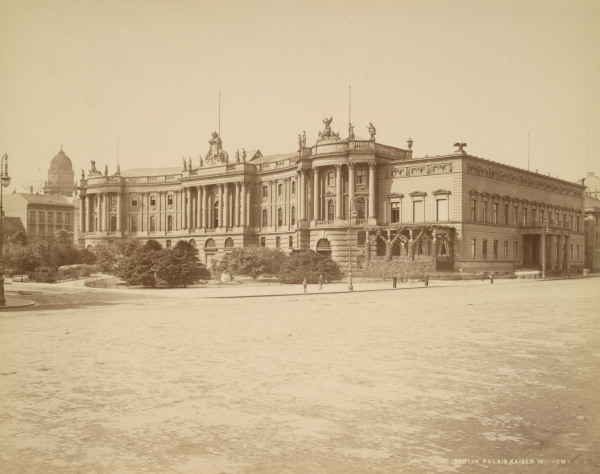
(299, 142)
(201, 162)
(237, 155)
(327, 133)
(304, 138)
(350, 131)
(372, 130)
(460, 147)
(184, 164)
(189, 163)
(118, 173)
(93, 171)
(243, 155)
(216, 154)
(82, 174)
(105, 170)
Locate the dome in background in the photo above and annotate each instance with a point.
(61, 162)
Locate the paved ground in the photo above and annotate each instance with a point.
(421, 380)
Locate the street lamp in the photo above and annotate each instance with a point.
(545, 231)
(351, 214)
(5, 182)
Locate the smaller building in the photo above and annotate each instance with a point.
(41, 215)
(10, 226)
(592, 233)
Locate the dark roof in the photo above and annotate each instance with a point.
(45, 198)
(10, 225)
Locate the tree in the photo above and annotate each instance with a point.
(180, 266)
(252, 261)
(308, 264)
(110, 255)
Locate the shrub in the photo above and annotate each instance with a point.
(308, 264)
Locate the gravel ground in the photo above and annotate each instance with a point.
(469, 378)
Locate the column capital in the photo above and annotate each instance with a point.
(372, 164)
(338, 166)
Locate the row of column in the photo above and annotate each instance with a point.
(551, 253)
(86, 204)
(198, 208)
(317, 203)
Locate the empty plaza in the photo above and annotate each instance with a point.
(466, 377)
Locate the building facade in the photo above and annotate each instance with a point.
(41, 215)
(372, 205)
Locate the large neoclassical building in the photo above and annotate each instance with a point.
(374, 205)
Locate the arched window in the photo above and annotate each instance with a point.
(216, 214)
(293, 216)
(293, 187)
(280, 189)
(113, 223)
(330, 210)
(265, 192)
(229, 243)
(265, 218)
(152, 224)
(280, 217)
(192, 243)
(169, 222)
(134, 224)
(324, 247)
(210, 244)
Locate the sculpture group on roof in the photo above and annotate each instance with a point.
(327, 133)
(216, 154)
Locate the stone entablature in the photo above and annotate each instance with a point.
(498, 171)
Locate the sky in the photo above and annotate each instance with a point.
(139, 81)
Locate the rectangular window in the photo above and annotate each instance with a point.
(495, 213)
(31, 216)
(484, 248)
(577, 249)
(42, 217)
(418, 211)
(134, 201)
(524, 218)
(506, 250)
(541, 216)
(153, 200)
(395, 212)
(278, 242)
(571, 252)
(263, 242)
(495, 249)
(330, 178)
(361, 177)
(168, 244)
(441, 210)
(290, 241)
(515, 250)
(577, 224)
(473, 248)
(515, 214)
(265, 191)
(280, 190)
(68, 219)
(473, 209)
(59, 218)
(484, 208)
(50, 217)
(170, 199)
(506, 214)
(293, 187)
(113, 201)
(533, 217)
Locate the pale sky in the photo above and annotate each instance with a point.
(485, 73)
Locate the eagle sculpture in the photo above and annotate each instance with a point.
(460, 147)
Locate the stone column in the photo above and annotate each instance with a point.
(243, 210)
(338, 191)
(567, 256)
(372, 193)
(104, 212)
(316, 195)
(119, 216)
(236, 206)
(220, 206)
(89, 224)
(82, 203)
(350, 186)
(205, 209)
(225, 205)
(302, 194)
(198, 207)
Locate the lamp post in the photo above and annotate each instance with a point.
(5, 183)
(545, 230)
(351, 214)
